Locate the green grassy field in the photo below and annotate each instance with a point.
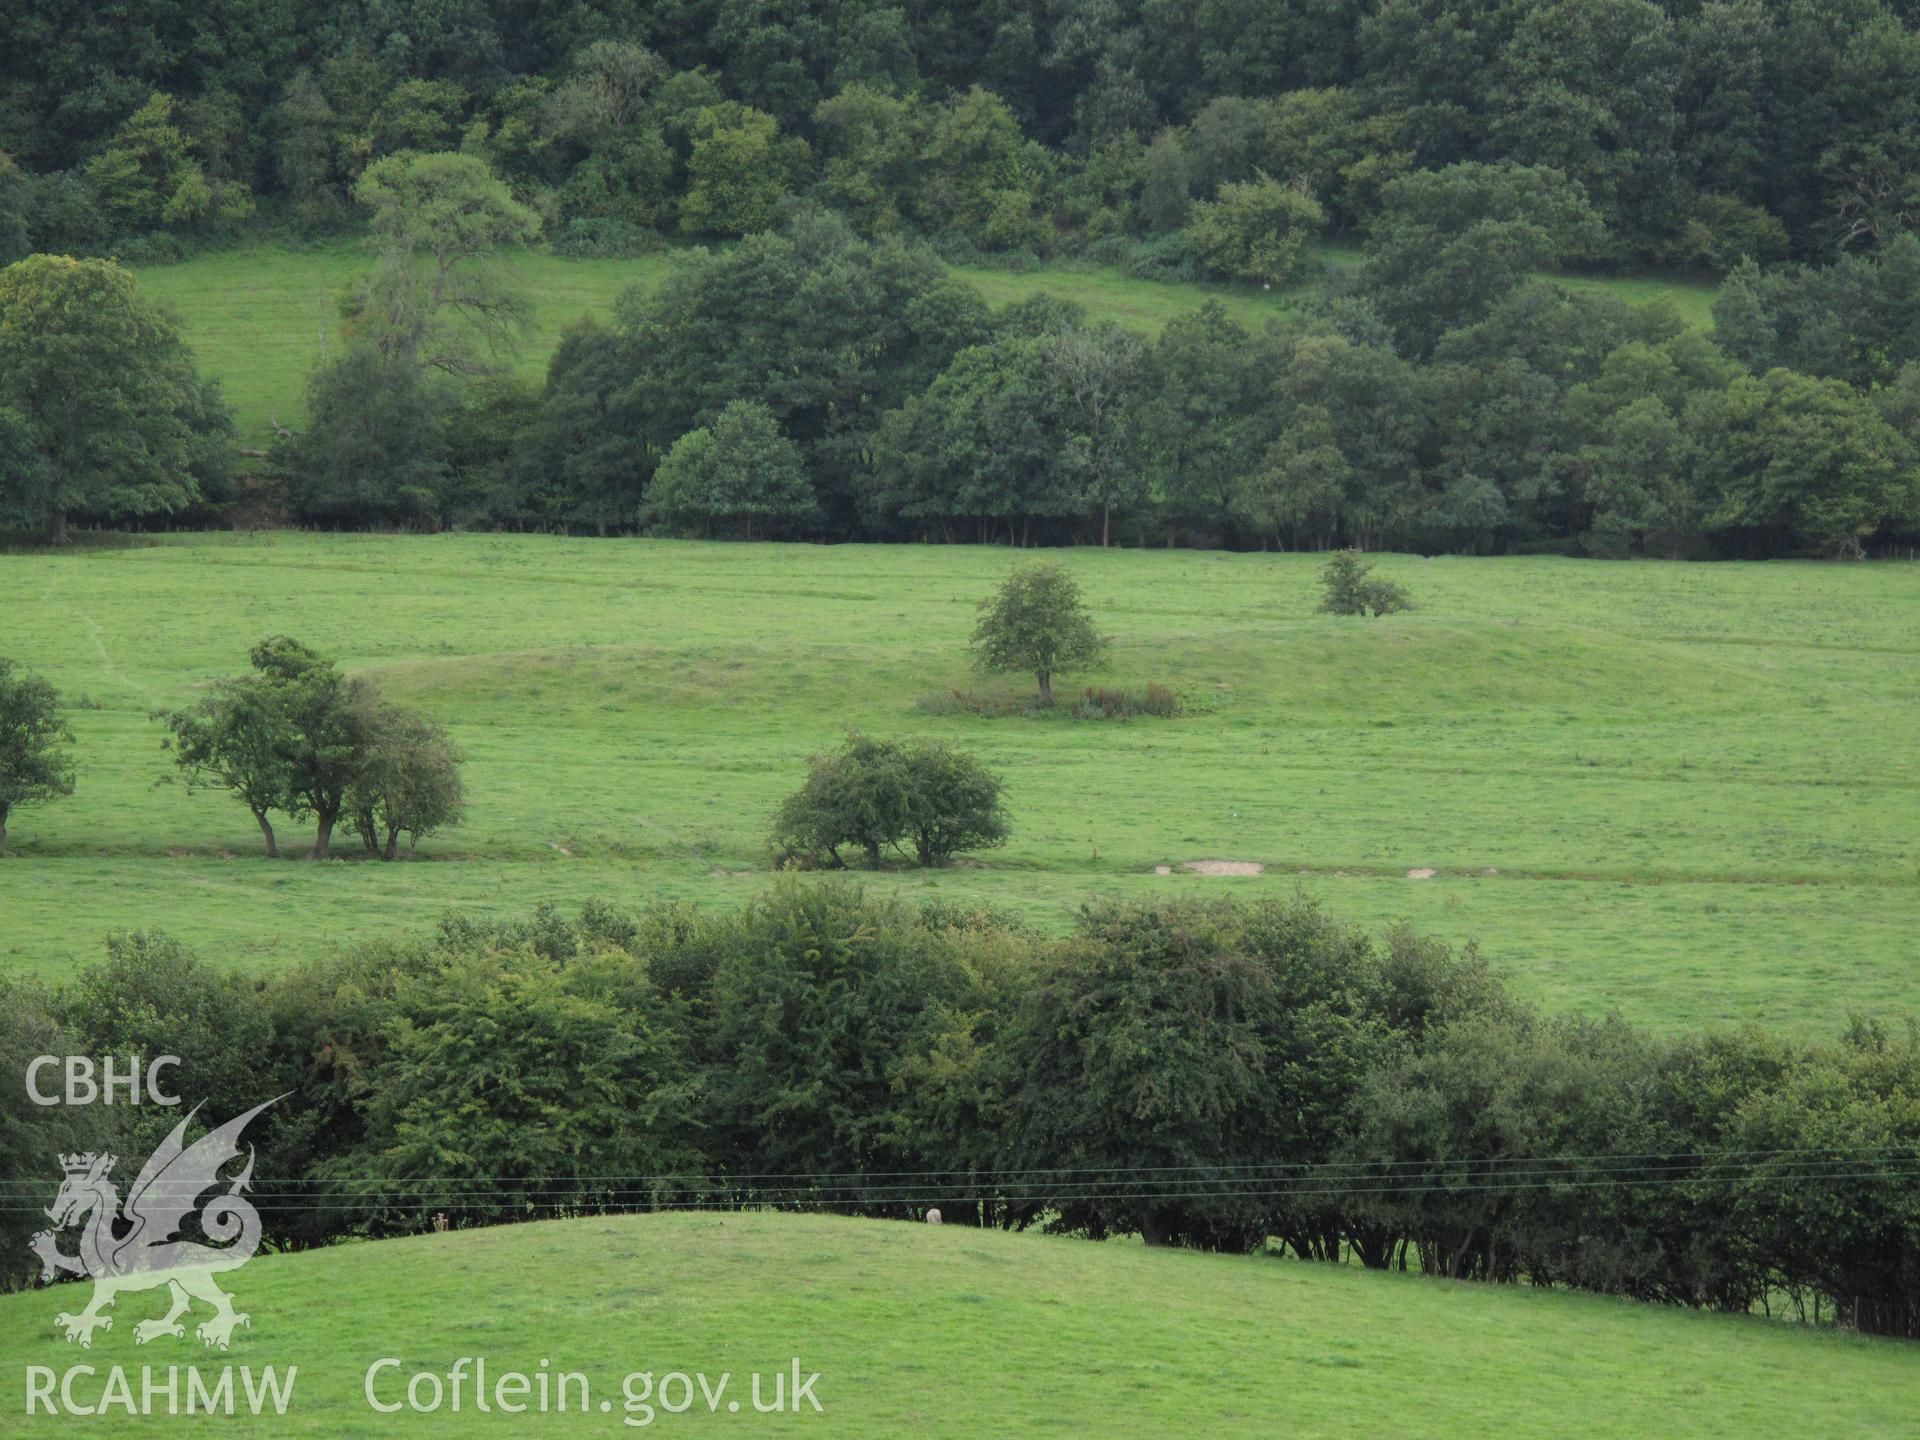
(1682, 790)
(953, 1332)
(260, 317)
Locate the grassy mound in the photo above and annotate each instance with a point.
(953, 1332)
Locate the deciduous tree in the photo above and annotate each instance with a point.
(875, 795)
(35, 766)
(1351, 588)
(407, 781)
(108, 417)
(1800, 462)
(1036, 622)
(1255, 230)
(736, 476)
(441, 295)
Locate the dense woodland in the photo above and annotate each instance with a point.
(814, 373)
(1217, 1076)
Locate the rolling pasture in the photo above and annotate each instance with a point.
(1685, 791)
(958, 1332)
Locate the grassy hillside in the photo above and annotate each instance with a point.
(951, 1332)
(1682, 790)
(260, 317)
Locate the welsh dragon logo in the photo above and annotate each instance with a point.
(137, 1246)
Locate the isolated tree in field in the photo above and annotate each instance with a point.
(855, 797)
(407, 781)
(953, 803)
(106, 414)
(330, 724)
(291, 736)
(441, 295)
(1353, 589)
(739, 475)
(34, 766)
(237, 737)
(1256, 230)
(874, 795)
(1037, 623)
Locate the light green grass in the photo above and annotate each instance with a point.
(1682, 790)
(924, 1331)
(260, 317)
(1691, 299)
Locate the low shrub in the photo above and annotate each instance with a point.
(1099, 703)
(1353, 589)
(1156, 700)
(919, 798)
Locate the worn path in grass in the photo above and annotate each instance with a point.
(1683, 790)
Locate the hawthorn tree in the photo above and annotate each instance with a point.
(291, 736)
(34, 763)
(878, 794)
(1036, 622)
(1353, 589)
(329, 719)
(407, 782)
(235, 738)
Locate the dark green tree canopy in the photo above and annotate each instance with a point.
(738, 476)
(104, 415)
(35, 765)
(1807, 462)
(358, 464)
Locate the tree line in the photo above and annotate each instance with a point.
(811, 384)
(1223, 1076)
(1702, 132)
(808, 383)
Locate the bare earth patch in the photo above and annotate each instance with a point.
(1425, 872)
(1224, 867)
